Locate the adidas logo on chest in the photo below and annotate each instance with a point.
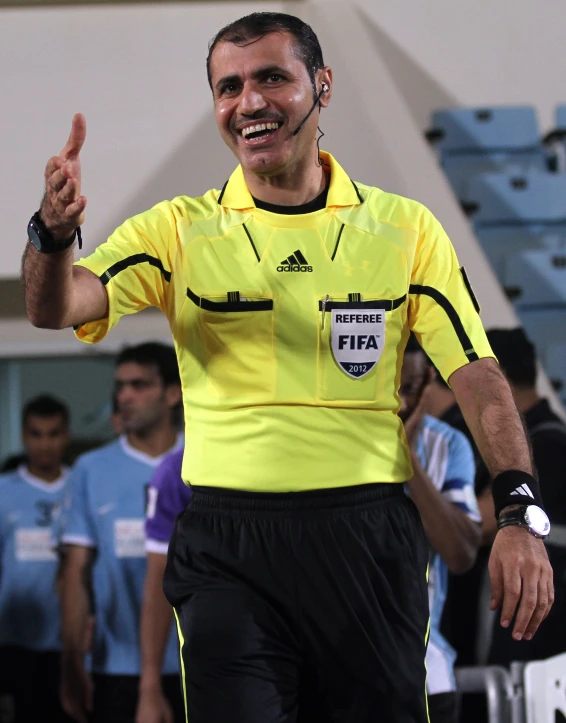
(296, 262)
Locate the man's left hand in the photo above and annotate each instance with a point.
(521, 580)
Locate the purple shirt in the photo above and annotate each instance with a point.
(168, 495)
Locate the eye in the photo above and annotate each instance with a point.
(228, 89)
(274, 78)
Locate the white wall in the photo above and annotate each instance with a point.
(482, 52)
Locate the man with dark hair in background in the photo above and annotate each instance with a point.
(104, 543)
(442, 487)
(547, 433)
(30, 503)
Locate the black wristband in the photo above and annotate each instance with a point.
(41, 238)
(515, 487)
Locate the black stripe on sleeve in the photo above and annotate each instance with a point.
(115, 269)
(452, 314)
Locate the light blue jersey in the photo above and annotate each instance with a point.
(29, 607)
(107, 513)
(447, 458)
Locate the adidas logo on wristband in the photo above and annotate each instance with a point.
(523, 490)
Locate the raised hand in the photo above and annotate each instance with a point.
(63, 207)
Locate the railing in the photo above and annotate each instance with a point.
(526, 693)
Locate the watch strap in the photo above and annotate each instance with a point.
(48, 244)
(516, 517)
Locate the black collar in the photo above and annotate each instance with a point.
(316, 204)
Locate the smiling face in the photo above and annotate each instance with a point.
(262, 91)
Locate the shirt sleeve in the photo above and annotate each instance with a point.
(443, 311)
(167, 498)
(134, 265)
(458, 486)
(77, 525)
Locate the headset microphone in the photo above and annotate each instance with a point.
(308, 115)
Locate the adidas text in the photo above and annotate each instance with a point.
(295, 262)
(294, 267)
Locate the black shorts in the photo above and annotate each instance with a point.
(116, 698)
(304, 607)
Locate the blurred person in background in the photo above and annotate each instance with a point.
(547, 434)
(30, 504)
(462, 597)
(104, 544)
(167, 497)
(442, 487)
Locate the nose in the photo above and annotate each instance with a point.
(124, 394)
(251, 100)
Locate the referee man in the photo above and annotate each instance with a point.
(298, 571)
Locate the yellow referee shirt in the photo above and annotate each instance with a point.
(290, 329)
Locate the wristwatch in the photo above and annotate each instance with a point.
(532, 517)
(43, 241)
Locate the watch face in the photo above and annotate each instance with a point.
(537, 520)
(34, 236)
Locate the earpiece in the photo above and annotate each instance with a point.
(324, 88)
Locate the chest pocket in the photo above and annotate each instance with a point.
(237, 336)
(352, 361)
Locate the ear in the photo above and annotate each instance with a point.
(173, 395)
(325, 76)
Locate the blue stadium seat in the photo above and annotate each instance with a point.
(500, 244)
(510, 198)
(547, 330)
(517, 212)
(479, 140)
(536, 279)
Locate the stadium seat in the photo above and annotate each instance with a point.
(514, 212)
(547, 330)
(501, 244)
(536, 278)
(479, 140)
(559, 133)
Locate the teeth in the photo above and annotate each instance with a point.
(259, 127)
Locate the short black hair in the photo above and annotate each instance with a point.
(45, 406)
(516, 355)
(153, 353)
(254, 26)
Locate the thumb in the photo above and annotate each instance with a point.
(76, 139)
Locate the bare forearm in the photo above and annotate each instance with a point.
(74, 614)
(48, 282)
(490, 412)
(449, 531)
(57, 293)
(156, 620)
